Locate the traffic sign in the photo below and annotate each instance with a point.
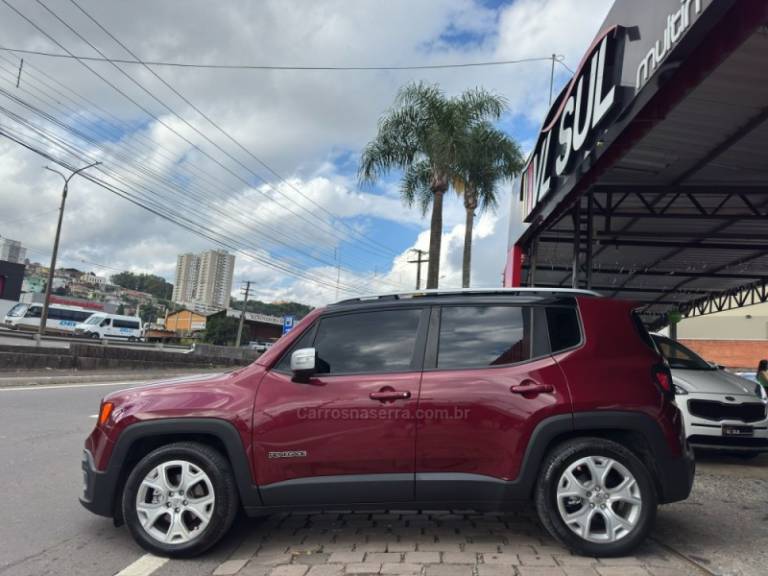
(288, 322)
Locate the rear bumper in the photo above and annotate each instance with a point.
(676, 477)
(98, 488)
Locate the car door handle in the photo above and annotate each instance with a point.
(390, 395)
(531, 388)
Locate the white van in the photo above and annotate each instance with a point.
(102, 325)
(61, 319)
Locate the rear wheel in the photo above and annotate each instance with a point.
(180, 500)
(596, 497)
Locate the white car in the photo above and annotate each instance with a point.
(111, 326)
(721, 411)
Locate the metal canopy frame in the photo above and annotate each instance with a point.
(676, 229)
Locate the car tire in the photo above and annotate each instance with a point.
(566, 490)
(175, 491)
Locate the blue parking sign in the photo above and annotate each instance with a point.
(288, 322)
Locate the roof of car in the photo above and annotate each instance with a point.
(465, 294)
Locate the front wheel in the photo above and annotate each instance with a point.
(596, 497)
(180, 500)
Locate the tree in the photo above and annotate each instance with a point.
(486, 156)
(149, 283)
(221, 330)
(421, 135)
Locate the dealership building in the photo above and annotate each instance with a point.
(649, 178)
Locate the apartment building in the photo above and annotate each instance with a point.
(204, 279)
(12, 251)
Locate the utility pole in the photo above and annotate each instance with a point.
(242, 314)
(552, 78)
(52, 269)
(419, 261)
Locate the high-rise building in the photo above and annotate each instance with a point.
(204, 279)
(12, 251)
(214, 278)
(186, 278)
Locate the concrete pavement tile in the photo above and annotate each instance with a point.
(270, 559)
(326, 570)
(346, 557)
(622, 571)
(289, 570)
(389, 557)
(400, 568)
(507, 559)
(363, 568)
(570, 560)
(532, 560)
(449, 570)
(540, 571)
(580, 571)
(439, 547)
(495, 570)
(422, 557)
(459, 557)
(311, 559)
(401, 546)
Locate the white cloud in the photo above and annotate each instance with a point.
(303, 124)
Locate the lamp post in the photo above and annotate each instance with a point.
(52, 269)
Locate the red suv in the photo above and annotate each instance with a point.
(438, 400)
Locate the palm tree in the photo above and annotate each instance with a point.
(421, 136)
(486, 157)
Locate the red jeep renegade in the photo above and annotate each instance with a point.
(438, 400)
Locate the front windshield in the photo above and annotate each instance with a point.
(17, 311)
(94, 319)
(681, 357)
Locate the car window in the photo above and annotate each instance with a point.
(367, 342)
(680, 357)
(479, 336)
(564, 329)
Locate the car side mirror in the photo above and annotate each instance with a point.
(303, 363)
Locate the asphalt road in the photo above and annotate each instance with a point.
(723, 528)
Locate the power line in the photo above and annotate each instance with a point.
(330, 229)
(64, 126)
(178, 219)
(325, 68)
(237, 143)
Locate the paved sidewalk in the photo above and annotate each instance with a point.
(437, 543)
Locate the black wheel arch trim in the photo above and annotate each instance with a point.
(103, 486)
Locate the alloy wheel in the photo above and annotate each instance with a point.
(599, 499)
(175, 502)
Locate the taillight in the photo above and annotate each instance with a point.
(662, 377)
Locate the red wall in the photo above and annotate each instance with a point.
(730, 353)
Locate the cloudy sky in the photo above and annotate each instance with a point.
(271, 171)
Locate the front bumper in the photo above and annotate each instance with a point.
(708, 434)
(98, 488)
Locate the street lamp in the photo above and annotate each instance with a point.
(52, 269)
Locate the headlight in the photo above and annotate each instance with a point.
(679, 390)
(761, 392)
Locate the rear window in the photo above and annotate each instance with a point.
(564, 328)
(480, 336)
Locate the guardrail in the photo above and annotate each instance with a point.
(38, 340)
